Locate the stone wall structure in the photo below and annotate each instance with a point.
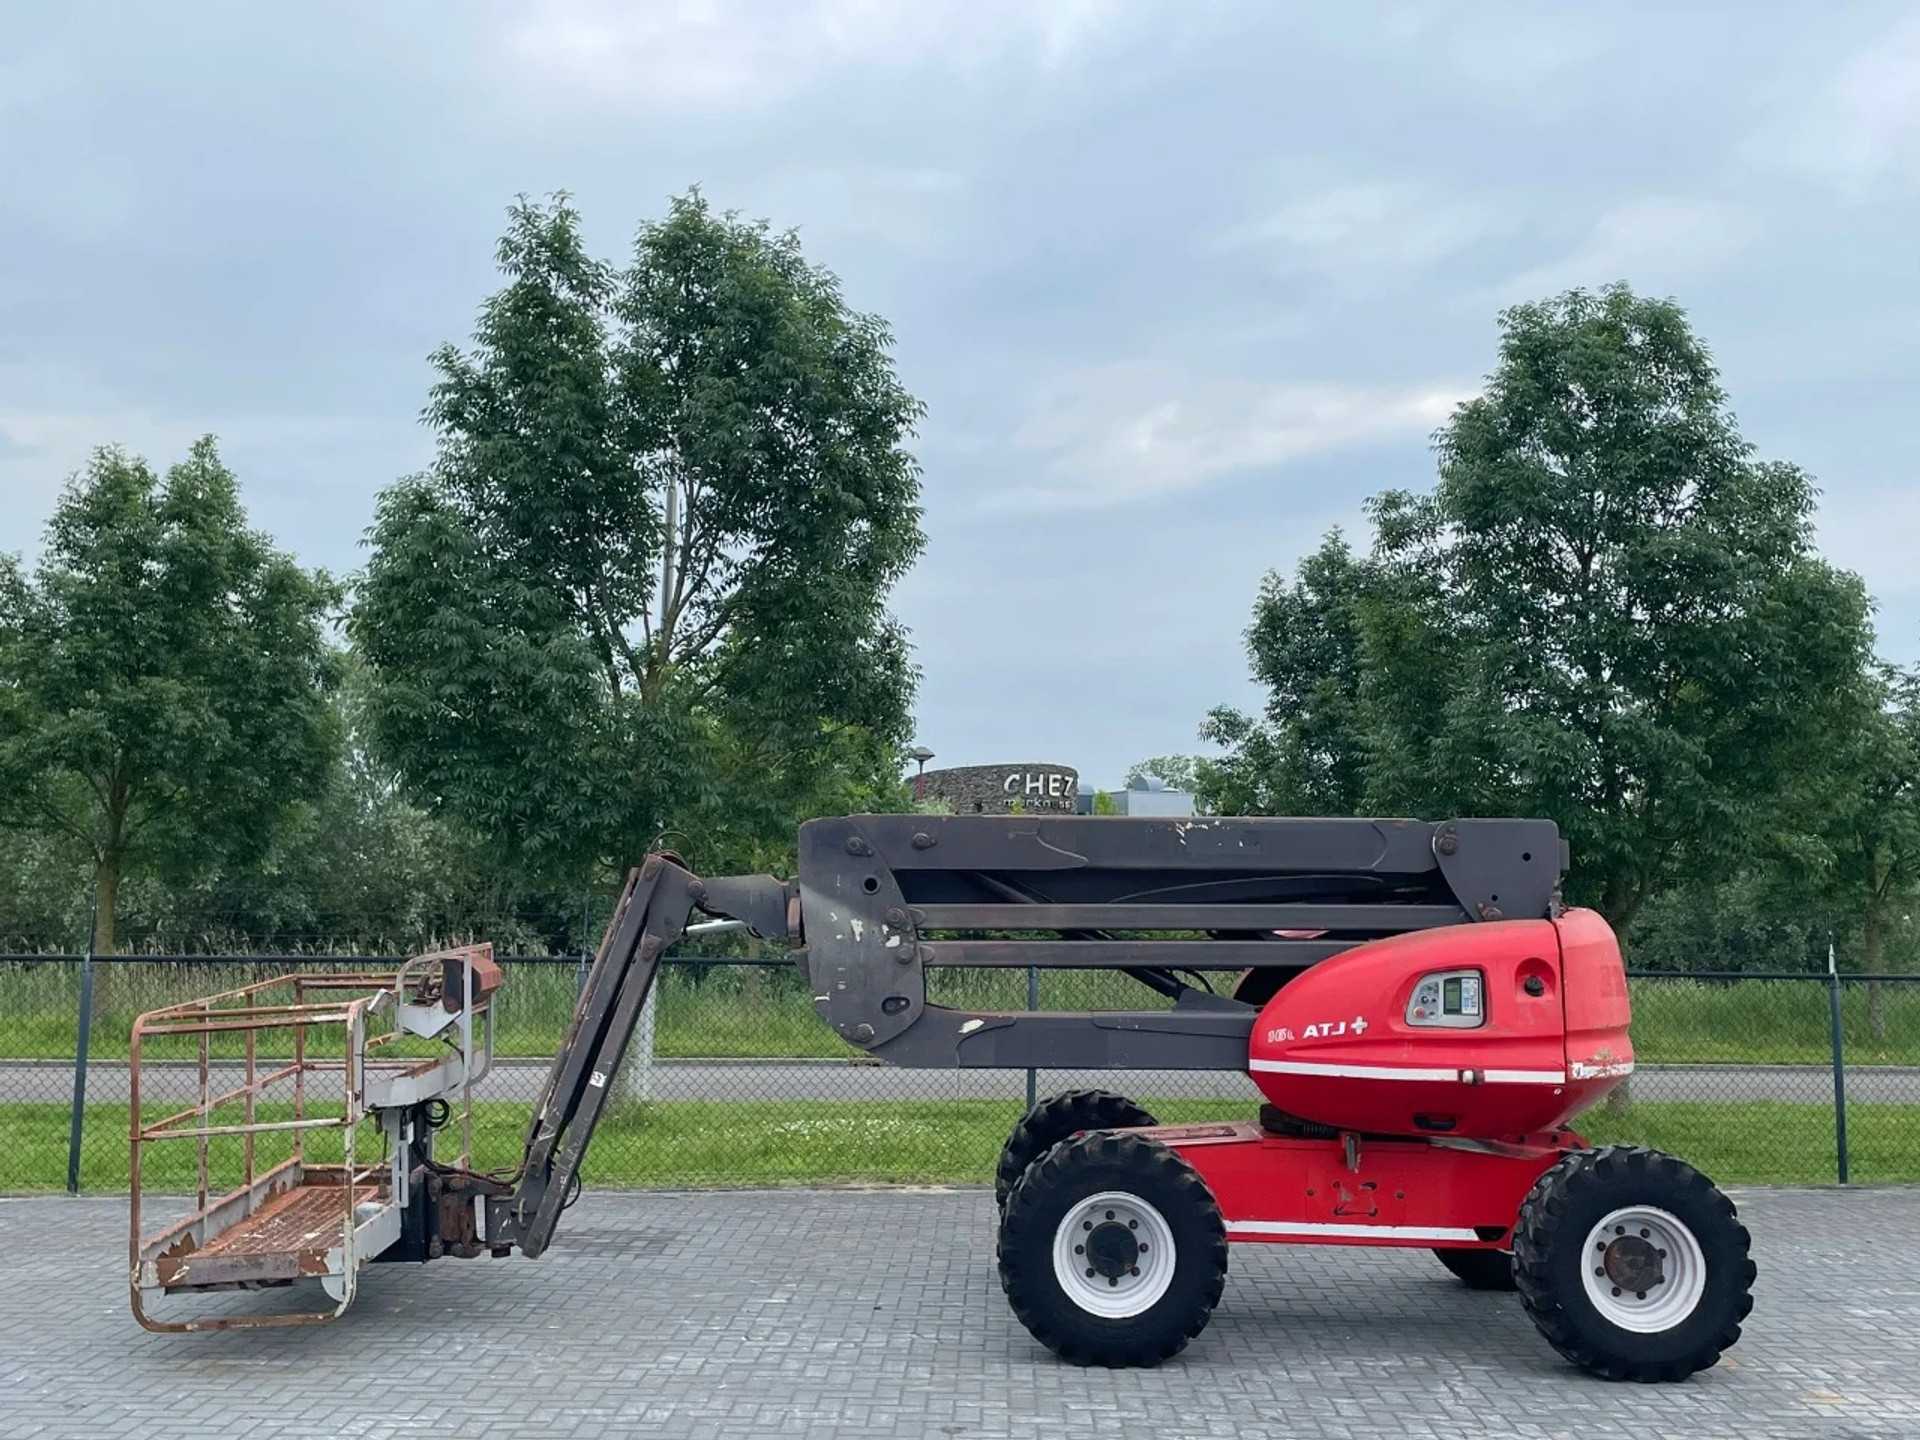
(994, 789)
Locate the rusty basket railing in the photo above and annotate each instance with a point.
(292, 1220)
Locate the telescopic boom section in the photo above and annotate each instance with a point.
(651, 916)
(885, 898)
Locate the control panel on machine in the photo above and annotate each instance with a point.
(1450, 998)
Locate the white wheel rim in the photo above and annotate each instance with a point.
(1113, 1255)
(1643, 1269)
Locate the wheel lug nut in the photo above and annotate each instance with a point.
(1619, 1229)
(1143, 1247)
(1599, 1272)
(1134, 1271)
(1112, 1280)
(1079, 1249)
(1661, 1253)
(1086, 1224)
(1089, 1272)
(1644, 1232)
(1109, 1214)
(1639, 1294)
(1616, 1290)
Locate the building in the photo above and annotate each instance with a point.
(1000, 789)
(1149, 795)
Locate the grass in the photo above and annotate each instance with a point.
(718, 1143)
(764, 1011)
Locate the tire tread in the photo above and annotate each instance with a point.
(1143, 1164)
(1055, 1119)
(1542, 1229)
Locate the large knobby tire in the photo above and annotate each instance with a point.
(1057, 1118)
(1480, 1269)
(1112, 1251)
(1632, 1264)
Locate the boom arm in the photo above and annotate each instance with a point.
(651, 916)
(881, 899)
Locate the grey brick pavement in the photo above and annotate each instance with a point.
(877, 1314)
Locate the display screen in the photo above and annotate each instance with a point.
(1456, 998)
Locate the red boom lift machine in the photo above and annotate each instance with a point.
(1422, 1015)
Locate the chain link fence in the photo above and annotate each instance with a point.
(731, 1080)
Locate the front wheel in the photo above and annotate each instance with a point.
(1112, 1251)
(1632, 1264)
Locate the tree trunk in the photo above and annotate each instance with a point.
(106, 893)
(1873, 938)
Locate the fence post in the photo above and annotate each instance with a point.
(580, 964)
(639, 1066)
(1839, 1066)
(80, 1039)
(1033, 1003)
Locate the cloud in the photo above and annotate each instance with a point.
(1114, 435)
(917, 211)
(1395, 225)
(304, 478)
(711, 53)
(1653, 242)
(1861, 129)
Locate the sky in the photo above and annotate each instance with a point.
(1180, 284)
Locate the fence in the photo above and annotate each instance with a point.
(733, 1081)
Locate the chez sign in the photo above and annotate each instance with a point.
(997, 789)
(1041, 785)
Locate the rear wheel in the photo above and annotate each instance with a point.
(1057, 1118)
(1480, 1269)
(1112, 1251)
(1632, 1264)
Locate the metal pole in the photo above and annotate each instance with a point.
(85, 1032)
(580, 964)
(1839, 1066)
(1033, 1003)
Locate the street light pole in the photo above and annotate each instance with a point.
(921, 754)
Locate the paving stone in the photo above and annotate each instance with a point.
(877, 1314)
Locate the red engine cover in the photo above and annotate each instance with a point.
(1337, 1045)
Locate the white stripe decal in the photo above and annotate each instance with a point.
(1356, 1232)
(1351, 1072)
(1405, 1072)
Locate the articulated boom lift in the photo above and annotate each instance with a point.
(1421, 1014)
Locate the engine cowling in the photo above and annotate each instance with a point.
(1482, 1031)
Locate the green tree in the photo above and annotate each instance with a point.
(1304, 755)
(1608, 611)
(1865, 838)
(163, 675)
(643, 586)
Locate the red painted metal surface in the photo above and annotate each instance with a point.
(1337, 1046)
(1364, 1191)
(1599, 1052)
